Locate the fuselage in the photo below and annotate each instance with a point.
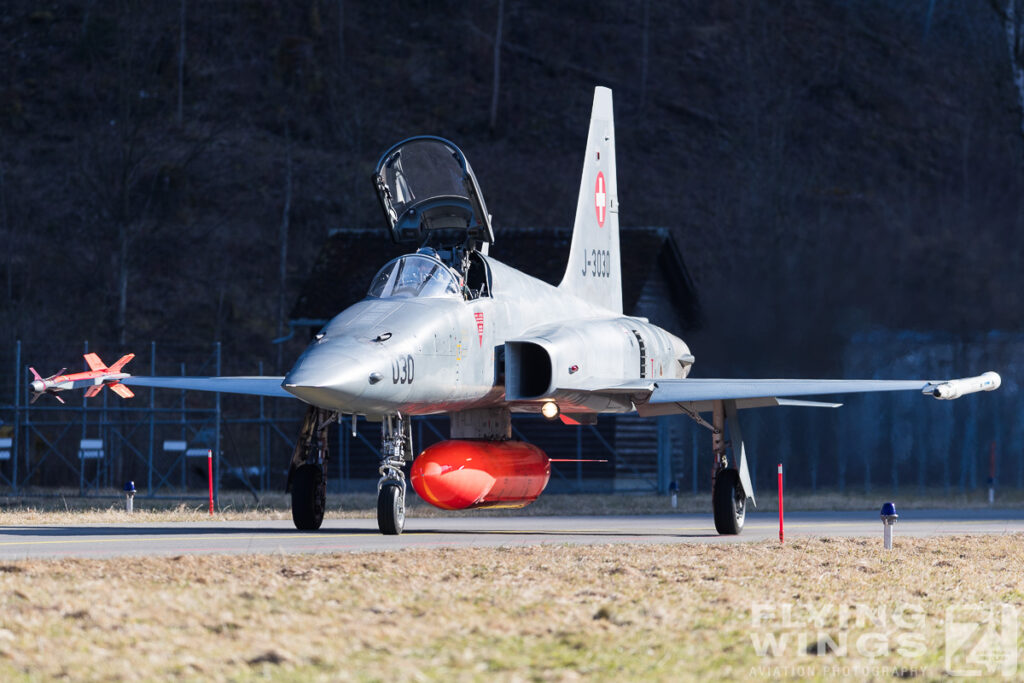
(442, 353)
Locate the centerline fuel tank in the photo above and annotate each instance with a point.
(462, 474)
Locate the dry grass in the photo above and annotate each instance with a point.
(650, 612)
(70, 509)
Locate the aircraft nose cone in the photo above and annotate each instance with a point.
(328, 380)
(37, 386)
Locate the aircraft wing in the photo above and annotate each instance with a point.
(670, 396)
(255, 386)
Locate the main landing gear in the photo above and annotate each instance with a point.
(396, 450)
(730, 481)
(307, 475)
(728, 502)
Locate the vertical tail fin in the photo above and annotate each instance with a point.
(594, 273)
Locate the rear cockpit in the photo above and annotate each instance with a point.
(430, 197)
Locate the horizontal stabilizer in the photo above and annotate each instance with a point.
(93, 390)
(94, 362)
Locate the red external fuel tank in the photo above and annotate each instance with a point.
(461, 474)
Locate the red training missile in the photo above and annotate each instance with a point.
(97, 377)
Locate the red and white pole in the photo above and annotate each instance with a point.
(781, 536)
(209, 475)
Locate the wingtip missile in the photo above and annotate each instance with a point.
(97, 377)
(955, 388)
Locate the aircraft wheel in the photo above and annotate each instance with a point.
(728, 502)
(309, 497)
(391, 508)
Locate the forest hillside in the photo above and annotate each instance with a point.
(829, 167)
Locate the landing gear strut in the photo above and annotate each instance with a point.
(307, 475)
(728, 503)
(730, 482)
(396, 450)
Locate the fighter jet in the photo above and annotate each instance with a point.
(449, 329)
(97, 377)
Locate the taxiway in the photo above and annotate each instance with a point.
(361, 535)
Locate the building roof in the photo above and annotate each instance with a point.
(350, 258)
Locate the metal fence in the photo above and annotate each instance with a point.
(160, 440)
(875, 443)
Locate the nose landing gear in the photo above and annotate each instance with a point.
(396, 450)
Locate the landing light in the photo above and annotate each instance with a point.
(549, 410)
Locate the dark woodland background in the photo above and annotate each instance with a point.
(838, 173)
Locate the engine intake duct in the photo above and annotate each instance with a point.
(528, 371)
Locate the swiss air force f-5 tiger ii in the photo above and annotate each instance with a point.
(449, 329)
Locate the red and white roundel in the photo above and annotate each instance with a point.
(600, 199)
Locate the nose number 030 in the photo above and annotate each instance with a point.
(402, 370)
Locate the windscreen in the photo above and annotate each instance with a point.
(413, 276)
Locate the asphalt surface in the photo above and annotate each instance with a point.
(361, 535)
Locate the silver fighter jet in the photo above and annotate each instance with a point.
(449, 329)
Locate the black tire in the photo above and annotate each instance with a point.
(390, 509)
(728, 502)
(309, 497)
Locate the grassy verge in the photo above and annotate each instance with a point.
(682, 612)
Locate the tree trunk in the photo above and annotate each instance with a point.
(181, 61)
(5, 231)
(497, 66)
(341, 35)
(1013, 26)
(645, 43)
(122, 285)
(283, 241)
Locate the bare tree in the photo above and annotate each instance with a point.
(286, 217)
(6, 232)
(181, 60)
(497, 65)
(644, 49)
(341, 35)
(1012, 17)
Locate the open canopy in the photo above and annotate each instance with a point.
(425, 186)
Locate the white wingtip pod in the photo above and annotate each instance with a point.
(955, 388)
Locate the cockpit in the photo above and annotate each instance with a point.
(430, 196)
(415, 276)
